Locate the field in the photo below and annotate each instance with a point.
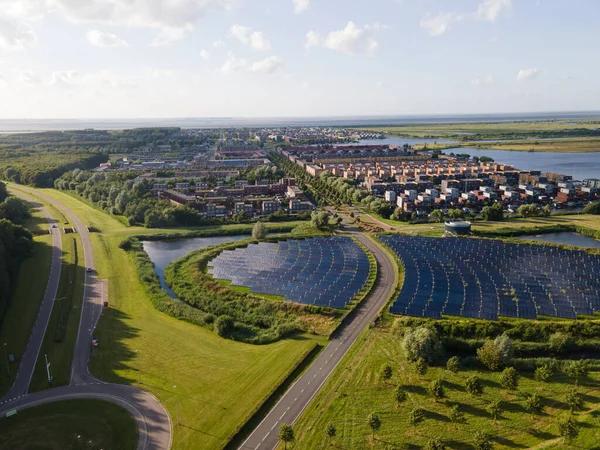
(73, 424)
(219, 382)
(356, 389)
(563, 146)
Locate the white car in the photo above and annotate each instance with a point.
(89, 269)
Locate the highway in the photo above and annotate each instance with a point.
(153, 421)
(298, 397)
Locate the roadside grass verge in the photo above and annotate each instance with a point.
(24, 306)
(71, 424)
(59, 340)
(356, 388)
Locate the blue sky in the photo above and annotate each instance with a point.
(266, 58)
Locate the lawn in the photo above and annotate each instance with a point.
(72, 424)
(356, 389)
(220, 383)
(563, 146)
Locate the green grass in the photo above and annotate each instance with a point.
(355, 389)
(563, 146)
(220, 383)
(72, 424)
(59, 341)
(24, 306)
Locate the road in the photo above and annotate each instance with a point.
(154, 423)
(300, 394)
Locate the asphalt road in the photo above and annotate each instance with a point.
(154, 423)
(300, 394)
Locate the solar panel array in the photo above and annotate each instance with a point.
(489, 278)
(323, 271)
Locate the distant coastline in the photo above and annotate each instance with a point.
(37, 125)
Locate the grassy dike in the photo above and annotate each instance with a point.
(219, 383)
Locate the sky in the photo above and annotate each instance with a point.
(274, 58)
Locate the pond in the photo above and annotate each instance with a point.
(566, 238)
(162, 253)
(579, 165)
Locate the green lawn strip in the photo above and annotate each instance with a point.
(24, 306)
(59, 340)
(356, 389)
(71, 424)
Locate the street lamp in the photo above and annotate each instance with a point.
(6, 356)
(176, 405)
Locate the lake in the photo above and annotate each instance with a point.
(162, 253)
(401, 141)
(566, 238)
(579, 165)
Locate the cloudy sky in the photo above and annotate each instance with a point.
(265, 58)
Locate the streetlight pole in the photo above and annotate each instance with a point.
(6, 356)
(176, 405)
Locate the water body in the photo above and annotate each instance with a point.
(401, 141)
(163, 253)
(579, 165)
(13, 125)
(531, 139)
(566, 238)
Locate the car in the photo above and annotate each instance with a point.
(89, 269)
(54, 226)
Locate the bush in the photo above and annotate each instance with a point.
(482, 441)
(574, 400)
(592, 208)
(386, 372)
(422, 342)
(435, 444)
(421, 367)
(559, 342)
(533, 403)
(497, 353)
(473, 386)
(416, 416)
(456, 415)
(495, 409)
(509, 378)
(567, 428)
(436, 389)
(400, 394)
(453, 364)
(259, 231)
(577, 369)
(543, 373)
(224, 325)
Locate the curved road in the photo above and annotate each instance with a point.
(154, 423)
(297, 398)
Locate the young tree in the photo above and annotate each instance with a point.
(567, 428)
(453, 364)
(399, 395)
(386, 372)
(509, 379)
(456, 415)
(559, 342)
(482, 441)
(436, 389)
(331, 430)
(577, 369)
(473, 386)
(574, 400)
(436, 216)
(495, 409)
(374, 423)
(421, 367)
(416, 416)
(592, 208)
(533, 403)
(259, 231)
(422, 342)
(497, 353)
(286, 434)
(543, 373)
(435, 444)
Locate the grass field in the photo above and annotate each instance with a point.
(220, 383)
(59, 346)
(563, 146)
(356, 389)
(73, 424)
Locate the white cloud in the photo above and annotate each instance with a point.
(28, 77)
(255, 39)
(204, 54)
(102, 39)
(301, 5)
(527, 74)
(439, 24)
(233, 64)
(483, 81)
(15, 34)
(66, 78)
(218, 43)
(267, 65)
(351, 40)
(490, 9)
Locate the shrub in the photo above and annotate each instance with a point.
(435, 444)
(286, 434)
(574, 400)
(577, 369)
(453, 364)
(559, 342)
(482, 441)
(473, 386)
(567, 428)
(400, 394)
(331, 430)
(259, 231)
(533, 403)
(386, 372)
(436, 389)
(422, 342)
(509, 378)
(374, 422)
(543, 373)
(495, 409)
(456, 415)
(497, 353)
(421, 367)
(416, 416)
(592, 208)
(224, 325)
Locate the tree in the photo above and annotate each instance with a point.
(399, 395)
(509, 378)
(456, 415)
(286, 434)
(497, 353)
(15, 210)
(547, 211)
(495, 409)
(421, 367)
(493, 213)
(533, 403)
(436, 216)
(259, 231)
(577, 369)
(374, 423)
(592, 208)
(456, 214)
(386, 372)
(473, 386)
(3, 191)
(559, 342)
(528, 211)
(435, 444)
(416, 416)
(568, 428)
(453, 364)
(436, 389)
(543, 373)
(224, 325)
(482, 441)
(422, 342)
(331, 430)
(574, 400)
